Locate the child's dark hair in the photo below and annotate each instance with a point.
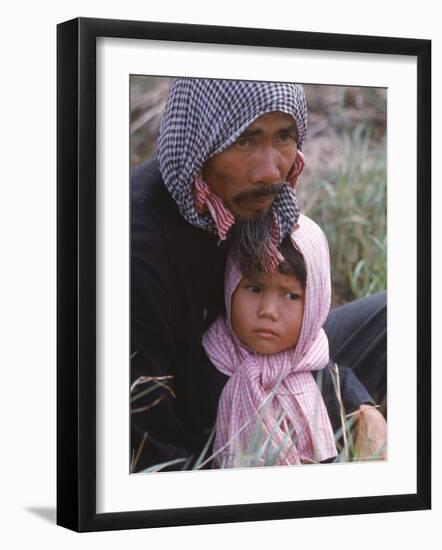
(293, 263)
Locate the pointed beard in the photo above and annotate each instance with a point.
(248, 241)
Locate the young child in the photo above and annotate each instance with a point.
(268, 344)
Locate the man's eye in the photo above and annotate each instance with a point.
(243, 142)
(284, 138)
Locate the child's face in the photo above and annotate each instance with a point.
(267, 312)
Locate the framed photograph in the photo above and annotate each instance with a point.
(169, 135)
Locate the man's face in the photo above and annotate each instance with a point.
(261, 157)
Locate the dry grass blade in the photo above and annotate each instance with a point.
(221, 449)
(139, 451)
(146, 117)
(272, 456)
(146, 379)
(151, 97)
(158, 382)
(163, 465)
(205, 449)
(265, 448)
(234, 436)
(355, 413)
(147, 407)
(337, 387)
(288, 437)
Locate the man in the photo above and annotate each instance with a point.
(228, 160)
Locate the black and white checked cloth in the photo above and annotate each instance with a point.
(203, 117)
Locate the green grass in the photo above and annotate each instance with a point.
(260, 450)
(350, 206)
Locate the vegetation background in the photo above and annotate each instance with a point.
(343, 186)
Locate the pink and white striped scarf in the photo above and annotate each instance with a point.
(277, 390)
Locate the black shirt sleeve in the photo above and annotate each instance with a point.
(174, 389)
(157, 435)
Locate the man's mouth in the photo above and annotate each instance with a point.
(258, 202)
(260, 194)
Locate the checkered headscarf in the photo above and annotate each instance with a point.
(202, 118)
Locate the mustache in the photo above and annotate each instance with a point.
(259, 192)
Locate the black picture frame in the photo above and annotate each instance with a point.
(76, 273)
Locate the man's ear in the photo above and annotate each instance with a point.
(296, 169)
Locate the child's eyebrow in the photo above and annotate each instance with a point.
(252, 279)
(290, 288)
(296, 288)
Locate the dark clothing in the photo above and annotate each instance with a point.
(173, 266)
(177, 282)
(357, 334)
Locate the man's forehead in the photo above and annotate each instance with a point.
(276, 117)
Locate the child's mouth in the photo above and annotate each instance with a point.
(265, 333)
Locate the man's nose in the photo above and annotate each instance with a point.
(268, 309)
(266, 169)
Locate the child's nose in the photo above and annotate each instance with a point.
(268, 309)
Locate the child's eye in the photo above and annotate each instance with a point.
(253, 289)
(293, 296)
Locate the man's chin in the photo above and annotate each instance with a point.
(250, 212)
(248, 239)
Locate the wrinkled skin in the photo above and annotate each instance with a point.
(370, 434)
(262, 156)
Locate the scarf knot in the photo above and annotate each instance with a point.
(205, 201)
